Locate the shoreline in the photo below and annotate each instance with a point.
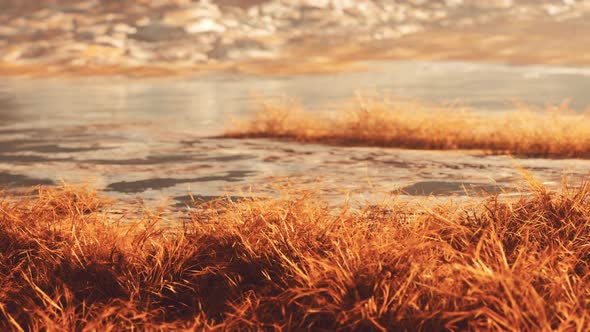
(275, 67)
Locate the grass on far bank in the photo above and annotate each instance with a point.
(556, 132)
(295, 263)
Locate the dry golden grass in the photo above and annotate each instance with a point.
(554, 132)
(294, 263)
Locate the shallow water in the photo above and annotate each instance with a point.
(204, 102)
(147, 137)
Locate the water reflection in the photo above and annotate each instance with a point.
(204, 102)
(9, 108)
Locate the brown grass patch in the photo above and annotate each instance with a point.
(295, 263)
(554, 132)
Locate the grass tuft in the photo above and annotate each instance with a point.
(555, 132)
(294, 262)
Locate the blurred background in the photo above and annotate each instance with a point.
(317, 35)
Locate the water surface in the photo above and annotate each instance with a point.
(205, 102)
(147, 137)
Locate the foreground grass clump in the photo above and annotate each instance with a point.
(555, 132)
(295, 263)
